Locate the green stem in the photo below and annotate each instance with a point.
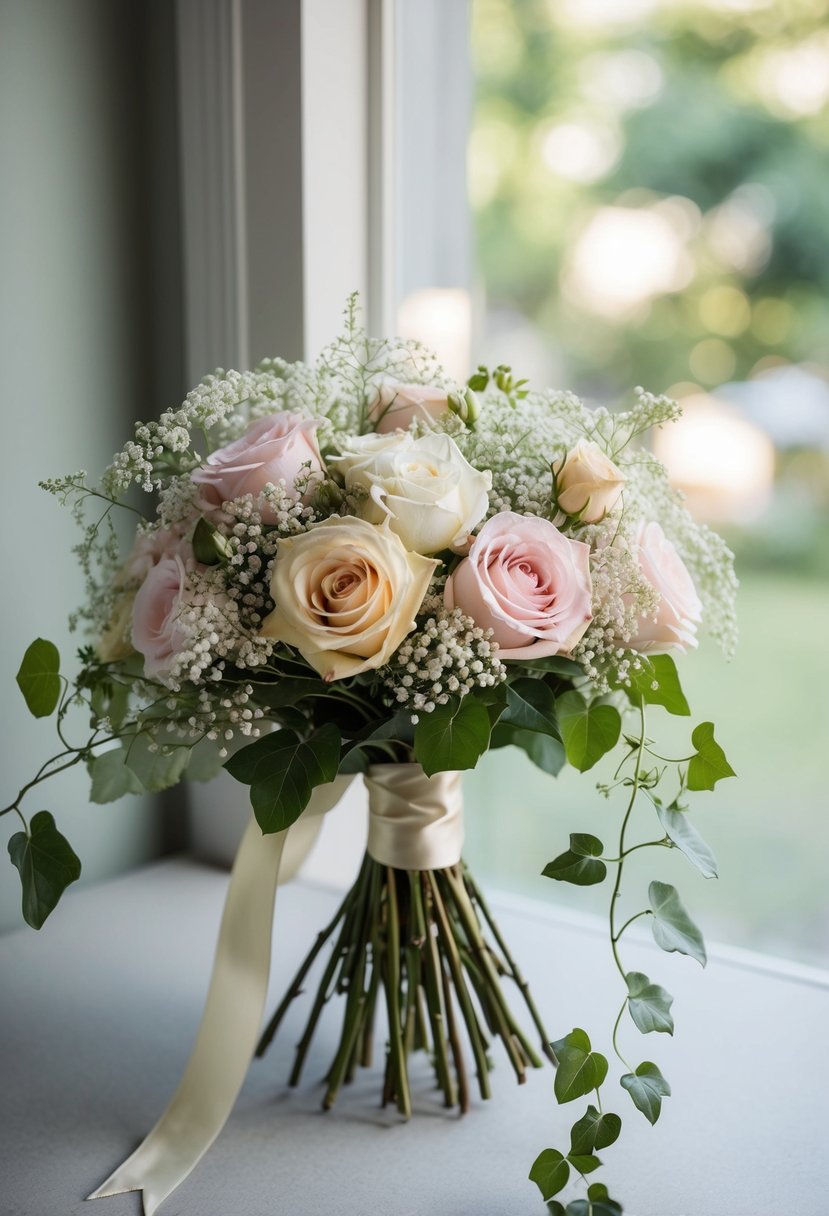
(615, 1033)
(631, 919)
(621, 850)
(396, 1049)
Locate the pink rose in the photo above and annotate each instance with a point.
(149, 548)
(157, 632)
(281, 447)
(674, 626)
(396, 405)
(526, 582)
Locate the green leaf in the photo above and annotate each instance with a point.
(289, 690)
(531, 706)
(587, 731)
(204, 761)
(649, 1004)
(154, 769)
(660, 669)
(647, 1087)
(597, 1203)
(210, 546)
(578, 865)
(553, 665)
(399, 727)
(585, 1163)
(708, 765)
(38, 677)
(283, 771)
(594, 1130)
(47, 865)
(453, 736)
(549, 1172)
(672, 927)
(685, 836)
(111, 777)
(545, 752)
(580, 1070)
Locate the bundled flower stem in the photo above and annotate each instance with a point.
(414, 939)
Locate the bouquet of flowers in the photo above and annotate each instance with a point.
(359, 567)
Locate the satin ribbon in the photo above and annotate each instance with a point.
(415, 822)
(232, 1017)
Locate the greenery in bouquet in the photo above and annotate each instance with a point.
(393, 569)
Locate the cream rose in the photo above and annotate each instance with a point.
(347, 593)
(589, 484)
(528, 583)
(674, 626)
(281, 447)
(394, 405)
(431, 494)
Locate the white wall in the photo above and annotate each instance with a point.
(77, 354)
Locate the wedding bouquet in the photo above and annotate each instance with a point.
(359, 567)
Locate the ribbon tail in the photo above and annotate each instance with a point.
(227, 1034)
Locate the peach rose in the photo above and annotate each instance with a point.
(396, 405)
(157, 633)
(346, 593)
(528, 583)
(281, 447)
(674, 626)
(588, 483)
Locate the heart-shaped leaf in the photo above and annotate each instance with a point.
(550, 1172)
(579, 864)
(647, 1087)
(649, 1004)
(656, 682)
(580, 1069)
(681, 831)
(672, 927)
(47, 865)
(708, 765)
(587, 731)
(283, 771)
(531, 706)
(594, 1131)
(453, 736)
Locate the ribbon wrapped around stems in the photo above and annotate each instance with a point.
(408, 926)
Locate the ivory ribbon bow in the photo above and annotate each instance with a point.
(415, 822)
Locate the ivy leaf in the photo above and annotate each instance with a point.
(38, 677)
(672, 927)
(579, 864)
(111, 777)
(661, 670)
(283, 772)
(685, 836)
(708, 765)
(597, 1203)
(647, 1087)
(649, 1004)
(531, 706)
(47, 865)
(546, 752)
(453, 736)
(585, 1163)
(594, 1131)
(156, 770)
(587, 731)
(580, 1070)
(549, 1172)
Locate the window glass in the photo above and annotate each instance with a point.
(646, 201)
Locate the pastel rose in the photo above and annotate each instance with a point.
(528, 583)
(674, 626)
(148, 548)
(281, 447)
(346, 594)
(157, 633)
(430, 493)
(397, 405)
(589, 484)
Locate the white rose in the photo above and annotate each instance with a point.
(674, 625)
(588, 483)
(346, 594)
(430, 493)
